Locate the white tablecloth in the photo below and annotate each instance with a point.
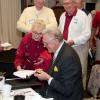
(29, 93)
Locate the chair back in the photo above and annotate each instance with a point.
(94, 81)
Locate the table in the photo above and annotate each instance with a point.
(29, 93)
(18, 83)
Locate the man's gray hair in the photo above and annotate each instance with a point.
(54, 32)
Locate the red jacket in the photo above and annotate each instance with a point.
(28, 53)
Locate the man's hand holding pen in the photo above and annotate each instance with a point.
(41, 75)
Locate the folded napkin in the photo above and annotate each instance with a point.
(6, 44)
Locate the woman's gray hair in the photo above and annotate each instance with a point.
(54, 32)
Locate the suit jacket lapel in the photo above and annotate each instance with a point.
(51, 66)
(57, 59)
(59, 56)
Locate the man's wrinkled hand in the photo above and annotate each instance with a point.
(41, 75)
(70, 42)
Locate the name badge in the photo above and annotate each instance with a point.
(31, 21)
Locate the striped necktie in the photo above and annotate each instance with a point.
(53, 59)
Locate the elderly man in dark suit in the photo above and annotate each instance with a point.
(64, 79)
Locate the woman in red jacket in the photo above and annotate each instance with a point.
(31, 53)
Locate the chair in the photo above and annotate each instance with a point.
(6, 62)
(58, 10)
(94, 81)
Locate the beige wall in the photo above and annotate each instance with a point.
(98, 6)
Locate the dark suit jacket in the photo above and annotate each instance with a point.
(67, 74)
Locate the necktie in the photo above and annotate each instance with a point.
(67, 22)
(53, 59)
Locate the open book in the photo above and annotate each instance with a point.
(24, 73)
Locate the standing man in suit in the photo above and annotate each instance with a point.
(64, 80)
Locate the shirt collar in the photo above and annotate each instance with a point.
(39, 10)
(56, 53)
(74, 13)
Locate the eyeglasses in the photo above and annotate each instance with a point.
(38, 33)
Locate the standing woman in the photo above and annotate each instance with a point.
(31, 14)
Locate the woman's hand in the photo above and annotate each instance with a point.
(19, 68)
(40, 61)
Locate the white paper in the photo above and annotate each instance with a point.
(24, 73)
